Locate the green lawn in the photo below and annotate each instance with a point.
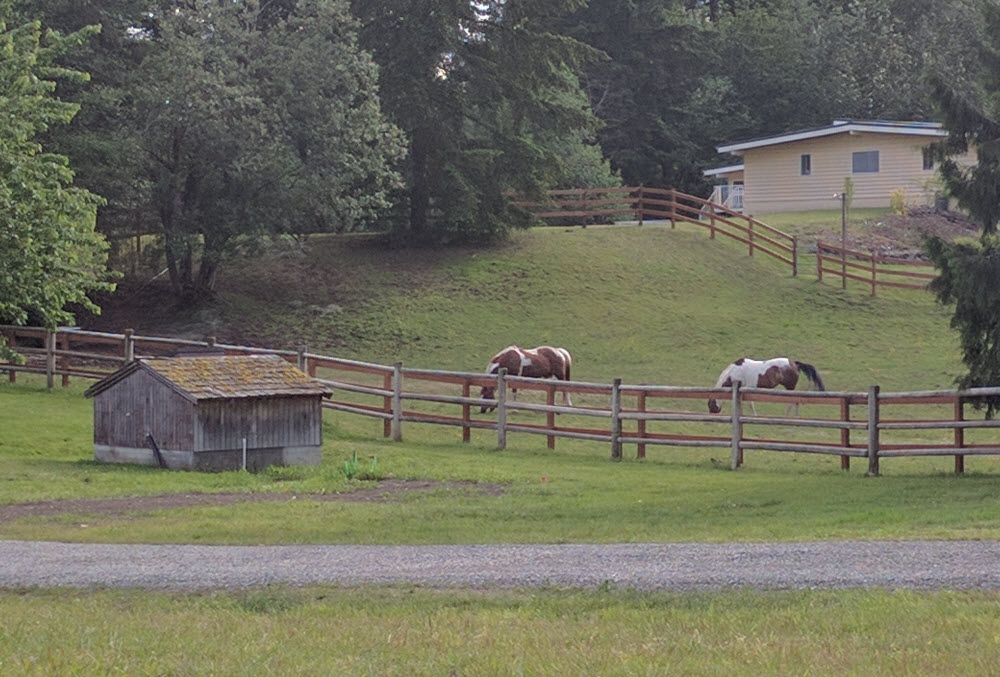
(413, 631)
(644, 304)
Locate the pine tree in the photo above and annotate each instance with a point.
(969, 99)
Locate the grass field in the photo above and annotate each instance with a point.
(412, 631)
(644, 304)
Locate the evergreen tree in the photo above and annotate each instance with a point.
(969, 100)
(487, 94)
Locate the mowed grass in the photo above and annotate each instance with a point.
(413, 631)
(647, 304)
(650, 304)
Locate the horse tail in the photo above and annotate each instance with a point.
(811, 374)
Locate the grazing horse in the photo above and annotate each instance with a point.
(540, 362)
(778, 371)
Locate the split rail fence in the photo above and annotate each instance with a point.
(869, 425)
(641, 203)
(871, 269)
(581, 205)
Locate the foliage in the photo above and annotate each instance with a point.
(968, 272)
(50, 254)
(487, 94)
(352, 471)
(239, 120)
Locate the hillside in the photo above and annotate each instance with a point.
(646, 304)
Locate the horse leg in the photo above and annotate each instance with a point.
(753, 408)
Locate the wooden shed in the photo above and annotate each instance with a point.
(197, 413)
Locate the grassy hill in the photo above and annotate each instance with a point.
(646, 304)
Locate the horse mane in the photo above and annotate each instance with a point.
(726, 372)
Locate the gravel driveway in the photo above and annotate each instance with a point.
(839, 564)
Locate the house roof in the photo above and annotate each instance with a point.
(728, 169)
(910, 128)
(220, 377)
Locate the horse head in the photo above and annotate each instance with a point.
(714, 406)
(487, 393)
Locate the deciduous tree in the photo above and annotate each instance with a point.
(50, 254)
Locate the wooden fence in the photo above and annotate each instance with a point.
(871, 269)
(640, 203)
(887, 425)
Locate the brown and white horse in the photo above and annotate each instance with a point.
(778, 371)
(540, 362)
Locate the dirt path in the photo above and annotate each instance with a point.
(386, 490)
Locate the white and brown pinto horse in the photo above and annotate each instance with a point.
(778, 371)
(540, 362)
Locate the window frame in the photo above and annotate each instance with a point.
(866, 167)
(805, 164)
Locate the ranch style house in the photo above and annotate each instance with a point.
(208, 413)
(806, 169)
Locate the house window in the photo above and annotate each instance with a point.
(864, 162)
(805, 165)
(928, 159)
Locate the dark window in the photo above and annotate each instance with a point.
(928, 159)
(806, 164)
(865, 162)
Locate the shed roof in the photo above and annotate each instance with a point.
(905, 127)
(220, 377)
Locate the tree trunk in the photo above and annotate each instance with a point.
(420, 193)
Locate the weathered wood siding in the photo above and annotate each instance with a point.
(774, 182)
(272, 422)
(139, 405)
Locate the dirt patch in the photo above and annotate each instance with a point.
(386, 491)
(900, 236)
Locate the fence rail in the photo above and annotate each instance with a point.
(895, 424)
(871, 269)
(641, 203)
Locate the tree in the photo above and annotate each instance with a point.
(485, 92)
(217, 123)
(969, 99)
(50, 254)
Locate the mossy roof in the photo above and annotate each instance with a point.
(221, 377)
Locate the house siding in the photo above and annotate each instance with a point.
(773, 181)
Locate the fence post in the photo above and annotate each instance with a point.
(466, 412)
(397, 402)
(583, 206)
(959, 436)
(64, 360)
(711, 223)
(128, 349)
(736, 456)
(819, 262)
(50, 359)
(641, 427)
(750, 233)
(874, 260)
(550, 416)
(303, 361)
(845, 433)
(873, 416)
(387, 384)
(501, 396)
(616, 421)
(843, 266)
(673, 208)
(795, 255)
(640, 206)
